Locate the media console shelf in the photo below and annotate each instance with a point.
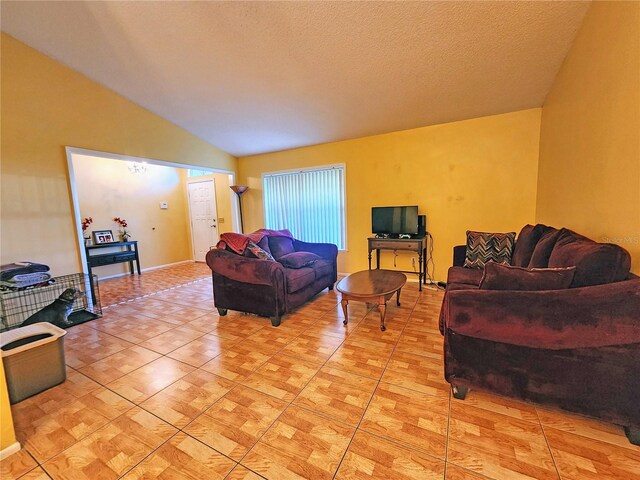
(128, 255)
(416, 244)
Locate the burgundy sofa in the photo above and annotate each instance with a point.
(576, 348)
(266, 287)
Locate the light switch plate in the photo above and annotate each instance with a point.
(164, 205)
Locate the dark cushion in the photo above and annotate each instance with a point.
(322, 268)
(542, 252)
(298, 278)
(299, 259)
(525, 244)
(254, 251)
(483, 247)
(280, 246)
(468, 276)
(596, 263)
(264, 244)
(507, 277)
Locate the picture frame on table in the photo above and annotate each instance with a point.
(102, 236)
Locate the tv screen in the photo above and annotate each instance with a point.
(394, 220)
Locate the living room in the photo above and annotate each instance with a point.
(570, 159)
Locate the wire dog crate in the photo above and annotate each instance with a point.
(18, 305)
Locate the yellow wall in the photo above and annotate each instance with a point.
(107, 189)
(476, 174)
(7, 435)
(45, 107)
(589, 175)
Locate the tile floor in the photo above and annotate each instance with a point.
(162, 387)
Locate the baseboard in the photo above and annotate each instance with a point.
(10, 450)
(148, 269)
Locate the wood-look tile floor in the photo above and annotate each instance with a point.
(162, 387)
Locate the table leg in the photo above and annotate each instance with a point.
(398, 297)
(377, 258)
(345, 303)
(369, 259)
(421, 273)
(382, 306)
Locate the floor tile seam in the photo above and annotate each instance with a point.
(400, 443)
(370, 399)
(82, 437)
(153, 293)
(287, 407)
(153, 450)
(446, 446)
(447, 462)
(546, 440)
(108, 356)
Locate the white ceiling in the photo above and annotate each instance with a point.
(254, 77)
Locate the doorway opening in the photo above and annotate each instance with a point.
(153, 197)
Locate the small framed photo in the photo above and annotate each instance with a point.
(102, 236)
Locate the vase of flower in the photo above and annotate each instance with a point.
(85, 235)
(122, 226)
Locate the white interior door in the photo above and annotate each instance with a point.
(204, 217)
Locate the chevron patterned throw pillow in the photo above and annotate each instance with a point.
(483, 247)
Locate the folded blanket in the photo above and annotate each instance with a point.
(238, 241)
(26, 280)
(7, 272)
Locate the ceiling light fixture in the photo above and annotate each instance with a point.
(137, 167)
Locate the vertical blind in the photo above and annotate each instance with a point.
(309, 203)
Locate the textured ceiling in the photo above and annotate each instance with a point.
(254, 77)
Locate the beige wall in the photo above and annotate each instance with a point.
(476, 174)
(589, 175)
(107, 189)
(45, 107)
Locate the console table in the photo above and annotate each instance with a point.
(128, 255)
(416, 244)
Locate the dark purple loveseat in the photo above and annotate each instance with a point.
(576, 348)
(266, 287)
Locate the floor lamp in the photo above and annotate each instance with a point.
(240, 189)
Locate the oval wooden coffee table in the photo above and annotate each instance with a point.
(371, 286)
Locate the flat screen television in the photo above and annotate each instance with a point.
(394, 220)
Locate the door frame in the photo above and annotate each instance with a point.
(73, 151)
(193, 181)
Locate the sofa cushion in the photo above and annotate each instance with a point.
(483, 247)
(299, 259)
(542, 252)
(298, 278)
(254, 251)
(596, 263)
(264, 244)
(280, 246)
(460, 286)
(525, 244)
(468, 276)
(323, 268)
(507, 277)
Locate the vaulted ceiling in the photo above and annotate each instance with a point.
(254, 77)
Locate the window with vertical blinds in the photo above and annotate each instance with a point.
(309, 203)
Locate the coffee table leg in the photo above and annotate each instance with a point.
(382, 306)
(398, 297)
(344, 309)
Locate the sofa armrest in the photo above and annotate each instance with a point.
(459, 254)
(244, 269)
(594, 316)
(328, 251)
